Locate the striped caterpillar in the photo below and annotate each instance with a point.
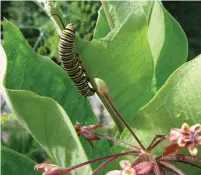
(71, 63)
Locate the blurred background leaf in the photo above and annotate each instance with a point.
(13, 163)
(17, 138)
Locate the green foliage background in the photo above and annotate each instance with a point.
(48, 46)
(41, 35)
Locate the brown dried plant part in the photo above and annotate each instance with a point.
(87, 133)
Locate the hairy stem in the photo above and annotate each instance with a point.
(56, 20)
(111, 112)
(109, 20)
(171, 168)
(117, 140)
(153, 144)
(38, 40)
(123, 121)
(181, 157)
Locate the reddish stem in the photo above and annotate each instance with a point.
(171, 168)
(66, 170)
(181, 157)
(117, 140)
(102, 165)
(156, 167)
(123, 121)
(152, 144)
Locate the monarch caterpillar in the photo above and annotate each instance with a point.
(71, 63)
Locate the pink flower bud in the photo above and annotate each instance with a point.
(48, 169)
(86, 132)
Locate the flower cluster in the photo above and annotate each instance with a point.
(187, 137)
(128, 169)
(145, 162)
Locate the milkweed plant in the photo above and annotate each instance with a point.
(136, 66)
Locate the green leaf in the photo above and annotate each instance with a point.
(50, 126)
(26, 70)
(118, 12)
(168, 44)
(42, 116)
(177, 102)
(122, 58)
(13, 163)
(167, 40)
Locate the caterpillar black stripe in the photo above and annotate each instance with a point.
(71, 63)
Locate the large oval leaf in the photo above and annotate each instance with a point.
(26, 70)
(50, 126)
(168, 44)
(13, 163)
(167, 40)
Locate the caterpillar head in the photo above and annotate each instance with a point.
(71, 27)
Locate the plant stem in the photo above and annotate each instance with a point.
(104, 102)
(104, 5)
(152, 144)
(171, 168)
(111, 111)
(57, 22)
(117, 140)
(156, 167)
(65, 170)
(181, 157)
(102, 165)
(123, 121)
(38, 40)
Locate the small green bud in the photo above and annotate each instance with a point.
(101, 86)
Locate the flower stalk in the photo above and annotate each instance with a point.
(132, 152)
(123, 121)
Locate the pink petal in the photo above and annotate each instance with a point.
(125, 164)
(195, 128)
(51, 173)
(185, 128)
(41, 166)
(198, 140)
(48, 168)
(60, 171)
(174, 134)
(143, 167)
(193, 150)
(181, 142)
(114, 172)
